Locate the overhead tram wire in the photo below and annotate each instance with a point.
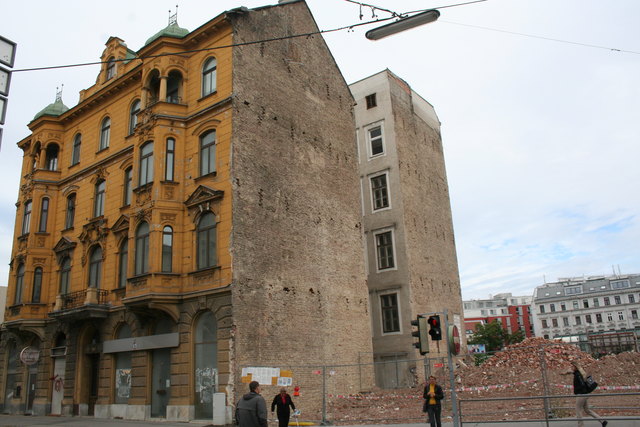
(543, 37)
(141, 58)
(346, 27)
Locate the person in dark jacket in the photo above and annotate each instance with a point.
(283, 401)
(580, 389)
(251, 410)
(433, 394)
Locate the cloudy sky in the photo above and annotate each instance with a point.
(539, 102)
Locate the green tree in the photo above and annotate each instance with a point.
(494, 336)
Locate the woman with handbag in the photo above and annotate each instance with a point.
(582, 389)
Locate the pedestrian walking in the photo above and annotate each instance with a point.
(283, 402)
(581, 389)
(433, 394)
(251, 410)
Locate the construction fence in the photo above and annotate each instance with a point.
(519, 383)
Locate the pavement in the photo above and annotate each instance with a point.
(54, 421)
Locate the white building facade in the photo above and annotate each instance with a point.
(578, 307)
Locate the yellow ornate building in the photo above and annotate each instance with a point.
(200, 199)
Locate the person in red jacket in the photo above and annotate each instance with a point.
(283, 401)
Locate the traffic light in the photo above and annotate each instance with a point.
(435, 331)
(421, 333)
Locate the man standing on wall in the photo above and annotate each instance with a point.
(251, 410)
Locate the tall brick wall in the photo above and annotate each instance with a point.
(299, 294)
(429, 239)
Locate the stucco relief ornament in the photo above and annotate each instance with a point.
(143, 196)
(26, 189)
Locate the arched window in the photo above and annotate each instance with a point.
(105, 133)
(37, 285)
(205, 344)
(65, 276)
(98, 203)
(44, 213)
(133, 116)
(208, 153)
(123, 264)
(142, 249)
(146, 163)
(26, 218)
(206, 241)
(19, 284)
(75, 154)
(169, 160)
(52, 157)
(71, 211)
(111, 68)
(167, 249)
(95, 267)
(209, 76)
(123, 369)
(174, 83)
(128, 187)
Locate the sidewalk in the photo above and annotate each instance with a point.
(25, 421)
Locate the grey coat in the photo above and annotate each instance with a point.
(251, 411)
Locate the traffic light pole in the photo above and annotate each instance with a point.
(452, 382)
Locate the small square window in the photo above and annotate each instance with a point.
(371, 101)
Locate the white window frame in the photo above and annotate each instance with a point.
(397, 294)
(393, 244)
(372, 198)
(368, 130)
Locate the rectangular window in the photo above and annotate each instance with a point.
(542, 309)
(380, 192)
(610, 317)
(585, 303)
(552, 307)
(620, 315)
(596, 302)
(563, 306)
(607, 301)
(576, 305)
(376, 143)
(573, 290)
(632, 299)
(544, 323)
(634, 314)
(554, 323)
(44, 213)
(617, 299)
(587, 318)
(371, 101)
(619, 284)
(384, 250)
(168, 169)
(390, 313)
(128, 187)
(565, 321)
(578, 320)
(599, 317)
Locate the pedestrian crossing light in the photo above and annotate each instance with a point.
(423, 342)
(434, 330)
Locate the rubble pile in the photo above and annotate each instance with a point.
(515, 371)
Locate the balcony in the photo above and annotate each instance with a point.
(90, 303)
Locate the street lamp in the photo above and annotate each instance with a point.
(403, 24)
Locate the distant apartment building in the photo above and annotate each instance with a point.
(514, 313)
(582, 307)
(410, 253)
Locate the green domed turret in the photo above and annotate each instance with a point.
(172, 30)
(53, 109)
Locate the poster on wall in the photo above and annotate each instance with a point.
(123, 382)
(206, 380)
